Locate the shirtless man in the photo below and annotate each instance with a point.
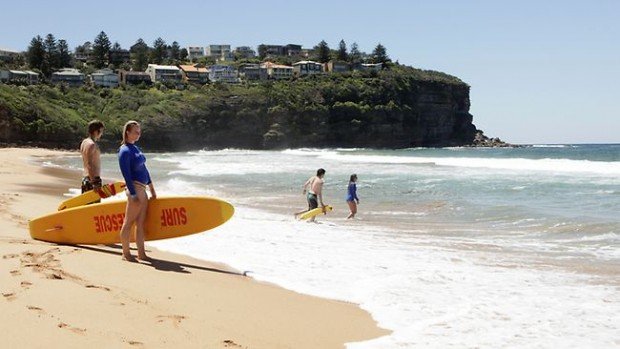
(314, 188)
(91, 156)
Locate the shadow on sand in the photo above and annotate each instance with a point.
(160, 264)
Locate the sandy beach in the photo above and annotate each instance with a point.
(74, 296)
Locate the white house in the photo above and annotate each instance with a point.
(164, 73)
(372, 66)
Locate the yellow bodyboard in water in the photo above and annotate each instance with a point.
(314, 212)
(167, 217)
(93, 195)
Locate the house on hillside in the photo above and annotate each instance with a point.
(245, 52)
(303, 68)
(271, 50)
(223, 73)
(278, 71)
(221, 53)
(7, 55)
(337, 67)
(194, 53)
(134, 77)
(252, 72)
(195, 74)
(372, 66)
(104, 78)
(292, 50)
(19, 76)
(164, 73)
(69, 76)
(120, 55)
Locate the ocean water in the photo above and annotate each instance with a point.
(452, 248)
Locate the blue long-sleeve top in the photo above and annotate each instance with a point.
(133, 166)
(352, 192)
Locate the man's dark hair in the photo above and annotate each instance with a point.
(94, 125)
(320, 172)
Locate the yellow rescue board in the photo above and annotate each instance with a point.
(314, 212)
(93, 195)
(101, 223)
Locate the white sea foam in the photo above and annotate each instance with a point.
(309, 152)
(428, 295)
(553, 146)
(518, 164)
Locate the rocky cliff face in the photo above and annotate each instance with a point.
(388, 111)
(444, 117)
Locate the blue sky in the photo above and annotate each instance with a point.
(539, 71)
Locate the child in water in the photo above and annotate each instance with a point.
(352, 199)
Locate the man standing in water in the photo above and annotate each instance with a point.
(313, 188)
(91, 156)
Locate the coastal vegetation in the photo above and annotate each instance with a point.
(399, 107)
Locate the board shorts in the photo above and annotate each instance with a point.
(312, 202)
(88, 185)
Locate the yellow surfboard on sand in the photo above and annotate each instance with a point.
(314, 212)
(94, 195)
(167, 217)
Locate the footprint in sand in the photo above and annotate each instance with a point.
(175, 319)
(71, 328)
(99, 287)
(10, 256)
(46, 263)
(9, 296)
(26, 284)
(37, 309)
(228, 343)
(135, 343)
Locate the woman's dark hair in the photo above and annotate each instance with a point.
(320, 172)
(353, 178)
(94, 126)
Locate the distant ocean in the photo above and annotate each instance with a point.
(453, 248)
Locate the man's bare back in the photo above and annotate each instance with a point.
(91, 157)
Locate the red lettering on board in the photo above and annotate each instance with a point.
(111, 223)
(97, 225)
(173, 217)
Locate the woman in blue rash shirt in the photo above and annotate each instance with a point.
(133, 167)
(352, 199)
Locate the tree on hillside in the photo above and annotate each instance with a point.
(115, 58)
(355, 56)
(36, 53)
(342, 54)
(175, 51)
(64, 56)
(322, 52)
(101, 50)
(379, 55)
(262, 51)
(159, 51)
(50, 62)
(183, 54)
(140, 55)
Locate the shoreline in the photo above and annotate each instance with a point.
(173, 301)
